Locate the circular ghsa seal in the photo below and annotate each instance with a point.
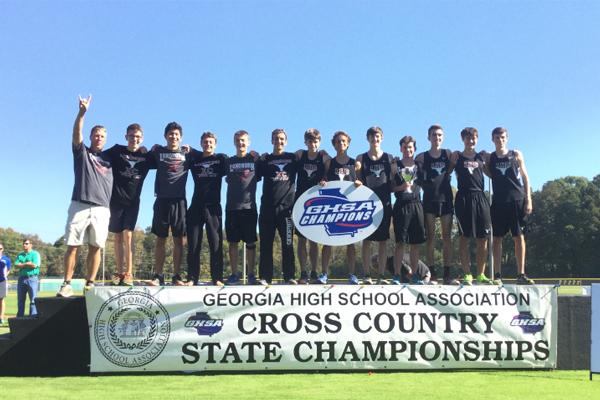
(338, 213)
(131, 329)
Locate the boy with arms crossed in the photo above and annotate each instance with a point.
(437, 198)
(342, 168)
(409, 223)
(311, 171)
(511, 201)
(278, 170)
(375, 173)
(207, 170)
(240, 214)
(472, 206)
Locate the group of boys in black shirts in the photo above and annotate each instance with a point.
(112, 180)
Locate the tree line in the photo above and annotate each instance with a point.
(563, 240)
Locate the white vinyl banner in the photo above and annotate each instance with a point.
(595, 356)
(330, 327)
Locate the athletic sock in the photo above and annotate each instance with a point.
(446, 272)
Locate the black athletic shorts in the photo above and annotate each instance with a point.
(383, 231)
(169, 213)
(123, 217)
(438, 208)
(409, 223)
(473, 214)
(509, 216)
(240, 225)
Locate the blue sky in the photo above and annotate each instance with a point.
(531, 66)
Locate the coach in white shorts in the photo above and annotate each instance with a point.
(89, 211)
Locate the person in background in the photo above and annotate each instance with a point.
(4, 268)
(28, 264)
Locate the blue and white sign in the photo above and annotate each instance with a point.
(337, 214)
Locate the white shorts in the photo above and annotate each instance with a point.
(3, 289)
(87, 224)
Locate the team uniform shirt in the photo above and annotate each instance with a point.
(435, 178)
(472, 206)
(24, 257)
(506, 178)
(171, 173)
(4, 267)
(93, 176)
(129, 171)
(279, 174)
(376, 176)
(310, 172)
(207, 173)
(342, 172)
(241, 182)
(408, 217)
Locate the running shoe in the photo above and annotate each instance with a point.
(322, 279)
(127, 279)
(416, 281)
(467, 280)
(481, 279)
(65, 290)
(263, 282)
(451, 281)
(157, 280)
(89, 285)
(367, 280)
(252, 279)
(353, 280)
(523, 279)
(382, 281)
(218, 283)
(314, 278)
(177, 281)
(497, 279)
(396, 280)
(116, 279)
(233, 279)
(303, 278)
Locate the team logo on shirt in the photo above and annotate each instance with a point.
(280, 175)
(205, 169)
(471, 165)
(438, 167)
(101, 166)
(377, 169)
(310, 169)
(337, 214)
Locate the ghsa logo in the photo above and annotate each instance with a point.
(204, 324)
(336, 213)
(528, 322)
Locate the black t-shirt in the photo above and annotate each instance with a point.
(506, 178)
(376, 175)
(241, 182)
(93, 176)
(469, 173)
(342, 172)
(129, 171)
(435, 178)
(171, 172)
(310, 172)
(403, 197)
(279, 174)
(207, 173)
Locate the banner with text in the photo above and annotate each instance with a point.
(327, 327)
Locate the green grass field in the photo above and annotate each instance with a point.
(521, 385)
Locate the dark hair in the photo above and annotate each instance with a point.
(171, 126)
(208, 134)
(408, 139)
(469, 131)
(374, 130)
(26, 239)
(134, 128)
(277, 131)
(433, 128)
(339, 133)
(96, 128)
(499, 131)
(312, 134)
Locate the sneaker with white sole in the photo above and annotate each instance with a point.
(116, 279)
(523, 279)
(65, 290)
(89, 285)
(233, 279)
(127, 279)
(467, 280)
(303, 278)
(322, 279)
(353, 280)
(367, 280)
(157, 280)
